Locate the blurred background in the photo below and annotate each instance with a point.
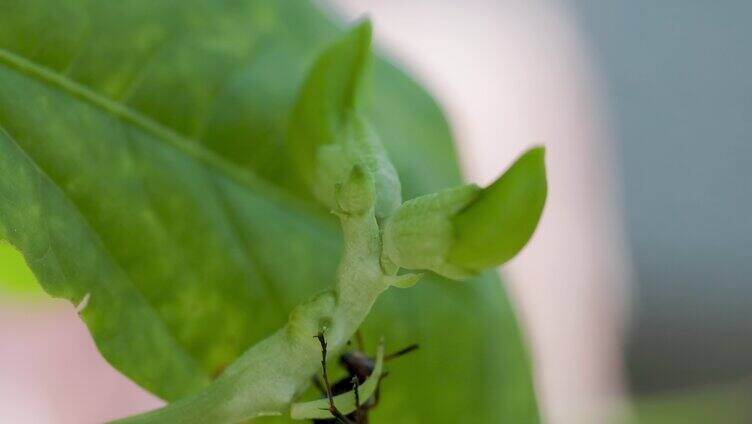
(678, 77)
(638, 280)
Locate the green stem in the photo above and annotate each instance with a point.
(268, 376)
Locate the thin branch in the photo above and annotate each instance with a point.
(401, 352)
(332, 408)
(355, 383)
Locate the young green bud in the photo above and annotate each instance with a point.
(501, 220)
(356, 195)
(460, 232)
(363, 143)
(420, 233)
(329, 94)
(332, 171)
(327, 136)
(357, 146)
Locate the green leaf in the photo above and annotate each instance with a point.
(328, 98)
(132, 131)
(498, 223)
(267, 377)
(177, 250)
(461, 231)
(327, 136)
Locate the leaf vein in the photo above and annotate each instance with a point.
(160, 132)
(251, 260)
(99, 242)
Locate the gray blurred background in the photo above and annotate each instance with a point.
(678, 82)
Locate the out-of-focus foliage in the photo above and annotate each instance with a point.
(144, 162)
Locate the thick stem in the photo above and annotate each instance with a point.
(268, 376)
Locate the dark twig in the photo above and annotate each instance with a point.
(357, 399)
(401, 352)
(332, 408)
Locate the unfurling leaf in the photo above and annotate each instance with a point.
(328, 96)
(326, 133)
(420, 233)
(462, 231)
(499, 222)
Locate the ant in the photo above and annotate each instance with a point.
(359, 366)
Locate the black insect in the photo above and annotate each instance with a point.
(359, 366)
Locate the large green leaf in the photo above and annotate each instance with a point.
(179, 255)
(143, 161)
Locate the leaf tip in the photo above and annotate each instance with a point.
(363, 29)
(493, 228)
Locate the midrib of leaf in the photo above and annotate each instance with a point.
(213, 163)
(160, 132)
(100, 243)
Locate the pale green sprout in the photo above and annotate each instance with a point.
(346, 168)
(457, 232)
